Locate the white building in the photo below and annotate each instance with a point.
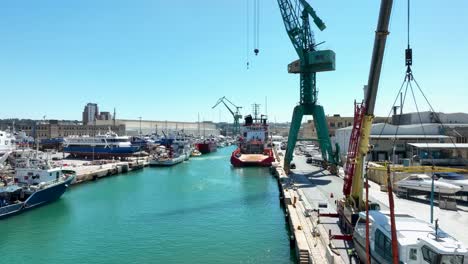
(134, 126)
(384, 137)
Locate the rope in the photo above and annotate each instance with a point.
(390, 112)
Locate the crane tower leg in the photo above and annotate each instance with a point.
(323, 135)
(293, 133)
(236, 127)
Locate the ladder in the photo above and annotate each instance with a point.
(359, 110)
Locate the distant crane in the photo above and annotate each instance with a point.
(295, 14)
(235, 114)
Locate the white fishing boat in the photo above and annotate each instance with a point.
(423, 184)
(32, 171)
(418, 241)
(173, 150)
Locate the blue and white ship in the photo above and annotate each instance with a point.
(34, 185)
(106, 145)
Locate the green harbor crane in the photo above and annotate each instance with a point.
(296, 20)
(235, 114)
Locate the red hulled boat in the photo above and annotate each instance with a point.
(252, 147)
(206, 146)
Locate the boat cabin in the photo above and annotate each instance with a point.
(418, 241)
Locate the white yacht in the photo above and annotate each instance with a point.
(7, 142)
(422, 183)
(418, 241)
(453, 178)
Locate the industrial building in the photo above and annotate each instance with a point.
(403, 141)
(136, 126)
(47, 129)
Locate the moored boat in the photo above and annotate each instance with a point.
(207, 146)
(106, 145)
(418, 241)
(7, 142)
(421, 183)
(173, 150)
(33, 187)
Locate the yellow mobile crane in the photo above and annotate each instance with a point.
(353, 203)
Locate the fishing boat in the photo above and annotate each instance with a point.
(173, 150)
(207, 146)
(105, 145)
(418, 241)
(421, 183)
(35, 184)
(252, 147)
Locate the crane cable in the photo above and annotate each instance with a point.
(409, 80)
(256, 30)
(247, 47)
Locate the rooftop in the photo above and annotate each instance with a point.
(440, 145)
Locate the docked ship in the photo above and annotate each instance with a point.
(207, 146)
(35, 184)
(252, 147)
(172, 151)
(106, 145)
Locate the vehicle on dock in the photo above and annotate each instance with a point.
(421, 183)
(33, 187)
(106, 145)
(418, 241)
(253, 147)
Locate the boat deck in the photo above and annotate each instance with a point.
(252, 157)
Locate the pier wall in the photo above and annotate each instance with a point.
(309, 238)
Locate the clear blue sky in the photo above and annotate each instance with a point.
(169, 60)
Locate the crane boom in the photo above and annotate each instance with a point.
(236, 115)
(369, 101)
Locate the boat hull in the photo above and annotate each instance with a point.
(239, 159)
(37, 199)
(206, 148)
(167, 162)
(101, 152)
(424, 189)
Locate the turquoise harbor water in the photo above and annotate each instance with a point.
(201, 211)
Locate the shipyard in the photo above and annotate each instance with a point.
(288, 131)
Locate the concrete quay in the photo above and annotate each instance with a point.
(89, 171)
(308, 236)
(316, 187)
